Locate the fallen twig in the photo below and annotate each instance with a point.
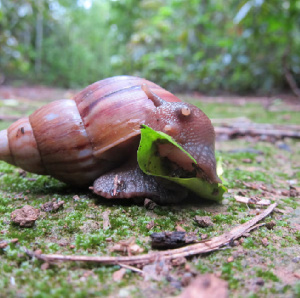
(246, 122)
(194, 249)
(234, 127)
(255, 227)
(134, 269)
(9, 118)
(235, 131)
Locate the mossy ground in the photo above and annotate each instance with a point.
(256, 269)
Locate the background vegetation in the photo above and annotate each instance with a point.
(234, 45)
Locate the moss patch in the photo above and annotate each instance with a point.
(251, 266)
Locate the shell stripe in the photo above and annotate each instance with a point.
(87, 96)
(117, 119)
(108, 84)
(90, 107)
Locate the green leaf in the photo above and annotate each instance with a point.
(152, 164)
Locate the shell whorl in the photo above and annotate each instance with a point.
(116, 107)
(77, 140)
(18, 147)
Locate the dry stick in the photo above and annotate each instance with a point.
(255, 227)
(242, 122)
(243, 126)
(195, 249)
(139, 271)
(9, 118)
(280, 133)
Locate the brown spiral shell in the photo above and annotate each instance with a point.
(77, 140)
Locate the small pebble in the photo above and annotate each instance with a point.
(265, 242)
(178, 261)
(178, 228)
(176, 284)
(76, 198)
(25, 216)
(297, 275)
(230, 259)
(270, 225)
(236, 243)
(186, 279)
(246, 160)
(150, 225)
(259, 281)
(296, 259)
(203, 221)
(149, 204)
(204, 236)
(3, 244)
(285, 193)
(45, 266)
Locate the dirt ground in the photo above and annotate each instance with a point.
(262, 263)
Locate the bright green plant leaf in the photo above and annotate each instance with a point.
(152, 164)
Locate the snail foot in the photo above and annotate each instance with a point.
(129, 181)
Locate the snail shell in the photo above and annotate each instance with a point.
(95, 136)
(78, 140)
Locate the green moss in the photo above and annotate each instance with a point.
(228, 273)
(236, 177)
(266, 275)
(22, 276)
(291, 202)
(224, 218)
(249, 243)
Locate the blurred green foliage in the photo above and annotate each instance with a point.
(235, 46)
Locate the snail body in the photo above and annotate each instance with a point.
(97, 132)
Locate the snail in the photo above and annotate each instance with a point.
(94, 137)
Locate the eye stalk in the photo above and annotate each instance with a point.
(185, 111)
(152, 96)
(171, 129)
(168, 128)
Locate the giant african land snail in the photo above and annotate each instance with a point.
(95, 136)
